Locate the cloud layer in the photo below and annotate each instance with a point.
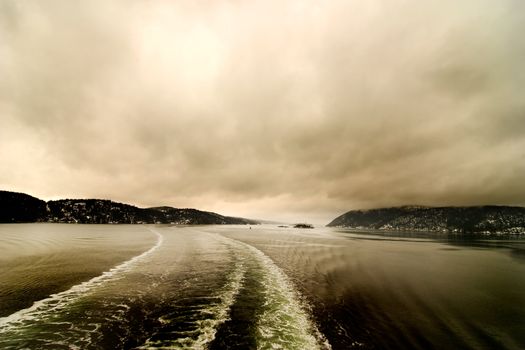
(296, 109)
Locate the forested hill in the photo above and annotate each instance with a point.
(468, 220)
(19, 207)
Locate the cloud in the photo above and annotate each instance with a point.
(264, 108)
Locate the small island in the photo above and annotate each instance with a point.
(303, 225)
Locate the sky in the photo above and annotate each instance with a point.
(281, 110)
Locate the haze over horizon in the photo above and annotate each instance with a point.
(293, 111)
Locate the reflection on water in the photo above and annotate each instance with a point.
(228, 287)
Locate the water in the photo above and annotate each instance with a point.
(228, 287)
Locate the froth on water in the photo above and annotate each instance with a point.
(227, 287)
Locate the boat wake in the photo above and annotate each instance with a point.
(200, 291)
(59, 301)
(195, 325)
(283, 321)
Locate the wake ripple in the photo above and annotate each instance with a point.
(283, 322)
(207, 316)
(57, 302)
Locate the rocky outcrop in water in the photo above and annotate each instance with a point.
(464, 220)
(20, 207)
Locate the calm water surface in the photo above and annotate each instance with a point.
(229, 287)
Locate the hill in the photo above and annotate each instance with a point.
(20, 207)
(465, 220)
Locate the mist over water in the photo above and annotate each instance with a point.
(228, 287)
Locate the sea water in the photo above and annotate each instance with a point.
(228, 287)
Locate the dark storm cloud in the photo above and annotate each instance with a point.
(264, 108)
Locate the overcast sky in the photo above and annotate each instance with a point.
(290, 110)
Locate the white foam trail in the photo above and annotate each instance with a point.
(221, 311)
(207, 328)
(61, 300)
(284, 323)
